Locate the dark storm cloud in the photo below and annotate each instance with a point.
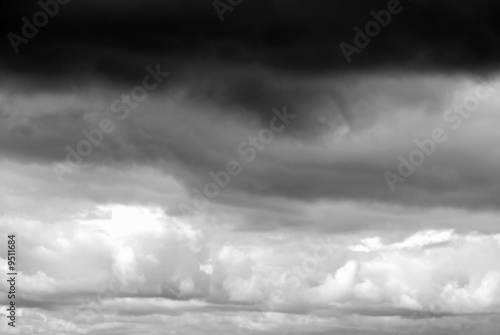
(197, 126)
(295, 35)
(266, 54)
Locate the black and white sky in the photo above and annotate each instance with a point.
(251, 166)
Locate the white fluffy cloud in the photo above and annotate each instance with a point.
(254, 281)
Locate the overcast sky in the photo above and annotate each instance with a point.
(243, 176)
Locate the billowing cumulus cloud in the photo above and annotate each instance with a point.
(167, 267)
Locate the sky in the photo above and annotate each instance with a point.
(251, 167)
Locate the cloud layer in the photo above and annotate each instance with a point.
(169, 173)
